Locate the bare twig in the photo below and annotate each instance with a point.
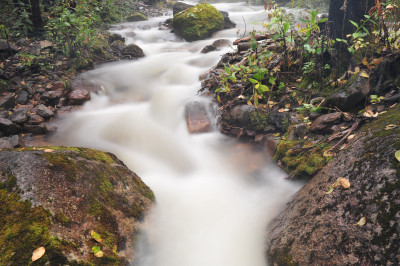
(354, 127)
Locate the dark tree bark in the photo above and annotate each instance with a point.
(36, 15)
(341, 11)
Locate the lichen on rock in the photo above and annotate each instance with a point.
(54, 197)
(316, 227)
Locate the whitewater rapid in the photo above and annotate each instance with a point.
(210, 210)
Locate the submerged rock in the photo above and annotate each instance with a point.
(358, 225)
(196, 118)
(198, 22)
(54, 197)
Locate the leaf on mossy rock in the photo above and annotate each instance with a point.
(397, 155)
(95, 236)
(38, 253)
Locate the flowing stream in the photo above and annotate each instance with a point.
(211, 208)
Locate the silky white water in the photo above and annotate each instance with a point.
(210, 209)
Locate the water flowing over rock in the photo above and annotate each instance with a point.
(198, 22)
(358, 225)
(196, 118)
(72, 191)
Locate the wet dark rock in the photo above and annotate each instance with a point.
(133, 51)
(80, 84)
(11, 142)
(115, 37)
(208, 48)
(229, 24)
(249, 118)
(20, 116)
(36, 129)
(58, 85)
(35, 119)
(43, 111)
(350, 95)
(221, 43)
(243, 46)
(7, 101)
(8, 127)
(297, 131)
(196, 118)
(78, 97)
(316, 228)
(386, 75)
(180, 6)
(22, 97)
(52, 95)
(22, 42)
(7, 47)
(118, 46)
(71, 191)
(323, 122)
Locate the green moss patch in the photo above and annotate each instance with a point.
(198, 22)
(302, 159)
(23, 229)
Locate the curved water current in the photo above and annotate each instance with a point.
(209, 210)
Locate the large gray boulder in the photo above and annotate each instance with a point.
(355, 226)
(53, 197)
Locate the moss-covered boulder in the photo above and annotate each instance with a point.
(136, 17)
(54, 197)
(198, 22)
(359, 225)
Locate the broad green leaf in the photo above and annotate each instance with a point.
(95, 236)
(95, 249)
(354, 23)
(322, 20)
(253, 81)
(263, 88)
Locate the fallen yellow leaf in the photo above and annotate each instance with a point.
(363, 74)
(99, 254)
(38, 253)
(362, 221)
(48, 150)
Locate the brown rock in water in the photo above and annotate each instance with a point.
(317, 228)
(196, 118)
(55, 196)
(78, 97)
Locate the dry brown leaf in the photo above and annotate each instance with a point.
(99, 254)
(390, 126)
(48, 150)
(38, 253)
(343, 182)
(351, 136)
(357, 69)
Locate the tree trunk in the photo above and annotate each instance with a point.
(36, 15)
(341, 11)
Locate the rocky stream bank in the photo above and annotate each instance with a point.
(63, 198)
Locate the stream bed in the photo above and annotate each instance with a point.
(210, 210)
